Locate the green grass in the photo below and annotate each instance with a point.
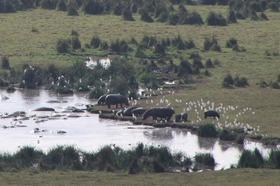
(244, 177)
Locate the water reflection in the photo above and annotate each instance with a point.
(159, 134)
(206, 143)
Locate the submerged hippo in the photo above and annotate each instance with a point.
(44, 109)
(116, 99)
(159, 112)
(211, 113)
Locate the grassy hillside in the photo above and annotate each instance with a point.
(31, 36)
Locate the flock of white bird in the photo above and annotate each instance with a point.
(231, 116)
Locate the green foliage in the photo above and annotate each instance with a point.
(185, 69)
(127, 15)
(48, 4)
(205, 158)
(231, 42)
(231, 17)
(75, 43)
(214, 19)
(95, 42)
(120, 47)
(211, 43)
(92, 7)
(63, 46)
(274, 159)
(7, 7)
(227, 135)
(273, 6)
(61, 5)
(209, 63)
(240, 81)
(146, 17)
(5, 63)
(27, 156)
(72, 10)
(207, 130)
(249, 159)
(208, 2)
(149, 80)
(228, 81)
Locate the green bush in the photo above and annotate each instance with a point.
(5, 63)
(184, 69)
(240, 81)
(75, 43)
(27, 157)
(92, 7)
(48, 4)
(249, 159)
(207, 130)
(227, 135)
(61, 5)
(63, 46)
(209, 63)
(72, 11)
(274, 159)
(205, 158)
(228, 81)
(231, 42)
(127, 15)
(95, 42)
(273, 6)
(231, 17)
(211, 43)
(146, 17)
(214, 19)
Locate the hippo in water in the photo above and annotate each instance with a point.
(159, 112)
(116, 99)
(211, 113)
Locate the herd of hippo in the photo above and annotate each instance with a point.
(165, 113)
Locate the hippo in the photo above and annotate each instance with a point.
(101, 100)
(182, 117)
(138, 111)
(159, 112)
(116, 99)
(127, 111)
(44, 109)
(211, 113)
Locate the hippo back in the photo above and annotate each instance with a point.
(112, 99)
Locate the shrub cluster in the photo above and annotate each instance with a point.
(230, 82)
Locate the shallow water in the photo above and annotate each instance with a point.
(89, 133)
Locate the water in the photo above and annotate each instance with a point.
(89, 133)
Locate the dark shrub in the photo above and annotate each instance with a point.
(207, 73)
(231, 17)
(95, 42)
(146, 17)
(30, 78)
(72, 11)
(159, 49)
(63, 157)
(240, 81)
(92, 7)
(275, 85)
(214, 19)
(207, 130)
(274, 159)
(193, 18)
(27, 156)
(228, 81)
(254, 5)
(48, 4)
(253, 15)
(209, 63)
(149, 80)
(173, 19)
(185, 69)
(120, 46)
(222, 2)
(127, 15)
(211, 43)
(197, 63)
(163, 17)
(5, 63)
(75, 43)
(158, 167)
(96, 92)
(117, 9)
(273, 6)
(63, 46)
(7, 7)
(249, 159)
(61, 5)
(231, 42)
(104, 45)
(263, 16)
(208, 2)
(238, 48)
(205, 158)
(227, 135)
(74, 33)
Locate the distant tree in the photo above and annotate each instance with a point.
(63, 46)
(127, 15)
(5, 64)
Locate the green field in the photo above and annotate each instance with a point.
(244, 177)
